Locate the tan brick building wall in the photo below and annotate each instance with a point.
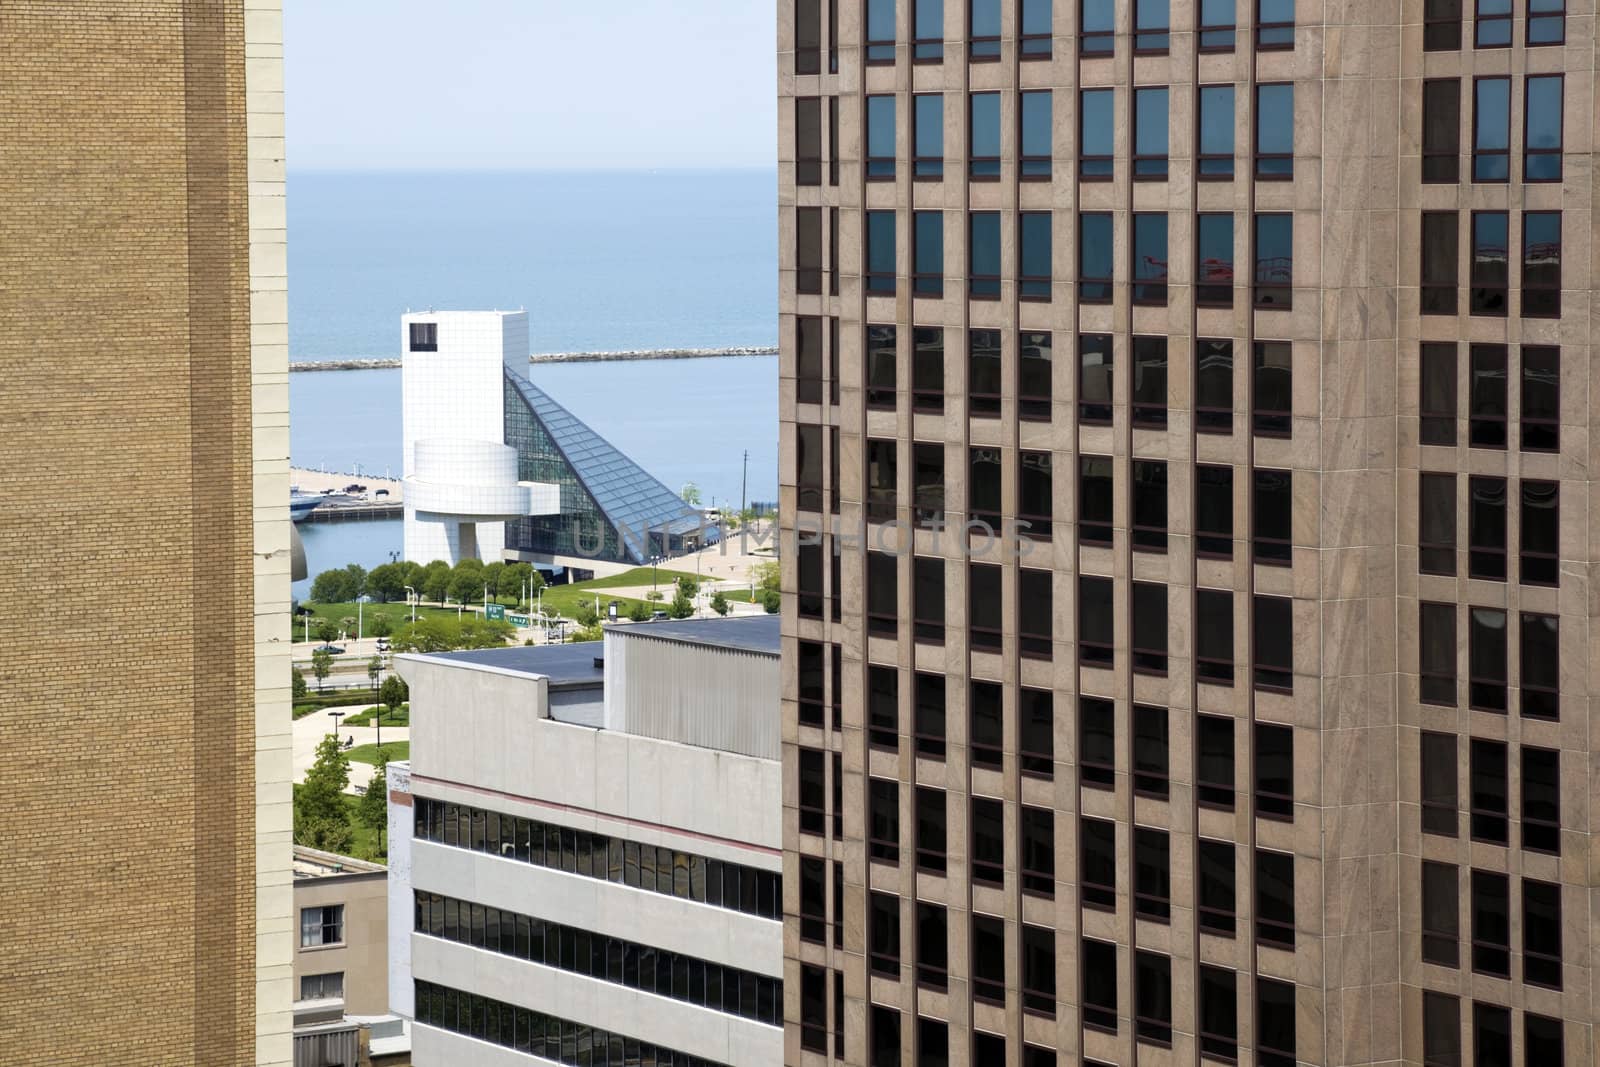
(139, 486)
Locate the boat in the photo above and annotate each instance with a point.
(301, 504)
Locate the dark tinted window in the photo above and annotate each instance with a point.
(1094, 257)
(1441, 262)
(1275, 898)
(1094, 378)
(1441, 130)
(1441, 915)
(1219, 1013)
(1436, 524)
(1541, 398)
(1152, 998)
(1150, 258)
(1097, 872)
(1096, 741)
(1274, 267)
(1486, 528)
(1096, 621)
(1214, 512)
(986, 726)
(1437, 403)
(1487, 775)
(1214, 761)
(1541, 264)
(1033, 254)
(1486, 659)
(1215, 886)
(1541, 799)
(984, 606)
(983, 372)
(1099, 985)
(988, 841)
(1214, 264)
(1150, 382)
(1274, 771)
(1440, 798)
(928, 710)
(984, 254)
(1490, 272)
(1150, 505)
(1152, 873)
(1491, 924)
(927, 253)
(880, 252)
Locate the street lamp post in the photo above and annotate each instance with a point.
(336, 716)
(411, 598)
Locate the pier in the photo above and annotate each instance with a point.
(380, 499)
(375, 363)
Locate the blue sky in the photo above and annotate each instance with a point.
(516, 84)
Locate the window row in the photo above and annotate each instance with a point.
(1148, 115)
(1488, 281)
(1542, 1041)
(1488, 785)
(1538, 527)
(1539, 659)
(1542, 129)
(648, 867)
(1271, 378)
(1271, 281)
(1489, 905)
(1546, 24)
(1215, 748)
(814, 985)
(608, 959)
(1217, 1005)
(932, 1037)
(930, 949)
(1487, 405)
(555, 1039)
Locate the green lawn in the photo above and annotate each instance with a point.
(401, 716)
(639, 576)
(398, 614)
(395, 750)
(366, 839)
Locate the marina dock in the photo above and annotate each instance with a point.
(342, 501)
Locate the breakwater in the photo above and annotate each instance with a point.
(550, 357)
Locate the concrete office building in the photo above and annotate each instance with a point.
(1268, 736)
(585, 850)
(144, 442)
(496, 469)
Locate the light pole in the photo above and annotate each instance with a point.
(336, 716)
(411, 598)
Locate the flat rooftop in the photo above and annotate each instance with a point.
(314, 863)
(748, 633)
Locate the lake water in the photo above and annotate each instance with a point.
(602, 262)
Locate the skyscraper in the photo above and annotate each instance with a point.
(144, 697)
(1217, 370)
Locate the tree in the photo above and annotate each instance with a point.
(393, 693)
(326, 630)
(719, 603)
(321, 796)
(587, 633)
(321, 665)
(771, 601)
(373, 807)
(681, 607)
(449, 635)
(466, 583)
(387, 582)
(374, 669)
(347, 625)
(766, 575)
(585, 614)
(298, 685)
(332, 587)
(436, 581)
(640, 612)
(326, 835)
(381, 626)
(688, 586)
(492, 575)
(691, 494)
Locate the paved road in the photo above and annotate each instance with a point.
(311, 729)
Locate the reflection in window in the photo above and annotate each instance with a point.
(927, 368)
(984, 30)
(1036, 29)
(1486, 424)
(1094, 378)
(1440, 261)
(1216, 131)
(1541, 159)
(880, 253)
(1213, 386)
(1436, 524)
(1491, 127)
(1095, 257)
(927, 253)
(983, 372)
(880, 367)
(1150, 382)
(1437, 404)
(1274, 261)
(927, 31)
(880, 32)
(1214, 260)
(1150, 258)
(1033, 374)
(1486, 659)
(1541, 264)
(1272, 391)
(1033, 253)
(1094, 500)
(1436, 645)
(1541, 398)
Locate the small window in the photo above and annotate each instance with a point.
(1151, 27)
(1275, 1023)
(1273, 640)
(808, 359)
(1215, 893)
(880, 253)
(984, 132)
(1038, 970)
(1539, 533)
(1150, 382)
(883, 584)
(1272, 501)
(1487, 774)
(1095, 385)
(808, 248)
(1035, 613)
(933, 951)
(985, 618)
(1035, 488)
(880, 40)
(1274, 25)
(1217, 26)
(1436, 524)
(1094, 258)
(933, 1042)
(1037, 136)
(1441, 131)
(322, 926)
(928, 710)
(1033, 255)
(1097, 875)
(927, 253)
(1213, 385)
(983, 255)
(1541, 666)
(1214, 512)
(1491, 924)
(1547, 24)
(983, 28)
(1214, 259)
(1213, 636)
(1150, 506)
(927, 31)
(1441, 1030)
(1275, 898)
(986, 730)
(1440, 799)
(1150, 749)
(1486, 529)
(927, 599)
(1094, 500)
(1216, 116)
(1274, 771)
(1491, 1035)
(1033, 374)
(1437, 403)
(1441, 25)
(1272, 395)
(1541, 398)
(1150, 258)
(1096, 622)
(1214, 762)
(927, 367)
(1152, 998)
(927, 482)
(1099, 960)
(1542, 141)
(1036, 732)
(882, 479)
(1150, 125)
(1097, 27)
(1219, 1013)
(984, 375)
(1491, 276)
(1491, 24)
(1096, 134)
(808, 467)
(988, 959)
(1486, 427)
(883, 934)
(812, 798)
(931, 854)
(1149, 603)
(1152, 874)
(1038, 852)
(1275, 118)
(1541, 933)
(1097, 742)
(1441, 915)
(883, 820)
(1541, 264)
(1486, 659)
(880, 138)
(1440, 262)
(983, 487)
(1541, 800)
(811, 693)
(988, 841)
(807, 37)
(1542, 1039)
(1037, 29)
(322, 986)
(1274, 253)
(885, 1043)
(927, 136)
(424, 337)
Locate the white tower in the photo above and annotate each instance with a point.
(460, 476)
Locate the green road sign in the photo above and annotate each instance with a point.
(495, 612)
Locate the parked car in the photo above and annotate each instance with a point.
(333, 650)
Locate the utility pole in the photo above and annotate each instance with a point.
(744, 480)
